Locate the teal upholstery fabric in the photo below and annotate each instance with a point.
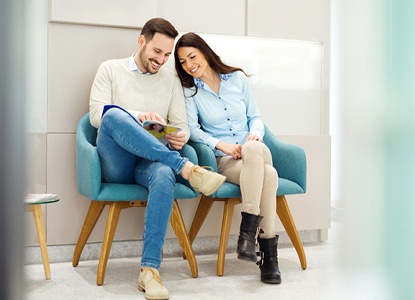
(88, 171)
(288, 159)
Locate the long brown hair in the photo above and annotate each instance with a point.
(191, 39)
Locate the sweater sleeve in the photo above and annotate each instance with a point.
(100, 93)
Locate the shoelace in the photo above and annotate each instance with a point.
(199, 171)
(155, 275)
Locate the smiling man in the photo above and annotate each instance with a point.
(126, 92)
(151, 56)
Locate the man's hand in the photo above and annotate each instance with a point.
(152, 116)
(235, 150)
(176, 139)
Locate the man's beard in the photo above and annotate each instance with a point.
(146, 62)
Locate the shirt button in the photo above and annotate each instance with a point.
(226, 108)
(229, 119)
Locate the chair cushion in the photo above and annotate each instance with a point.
(131, 192)
(285, 187)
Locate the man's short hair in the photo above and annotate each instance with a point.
(159, 25)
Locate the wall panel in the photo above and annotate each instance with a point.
(295, 19)
(75, 53)
(125, 13)
(214, 16)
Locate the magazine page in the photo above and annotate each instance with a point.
(158, 129)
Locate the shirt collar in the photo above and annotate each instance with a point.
(200, 84)
(133, 65)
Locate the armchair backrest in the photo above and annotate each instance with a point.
(88, 167)
(289, 159)
(87, 131)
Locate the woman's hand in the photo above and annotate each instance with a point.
(235, 150)
(253, 137)
(176, 139)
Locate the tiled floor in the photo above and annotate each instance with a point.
(323, 279)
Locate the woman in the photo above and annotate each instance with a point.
(223, 114)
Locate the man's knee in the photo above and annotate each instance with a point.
(163, 174)
(113, 115)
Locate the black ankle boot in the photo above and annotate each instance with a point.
(247, 236)
(269, 260)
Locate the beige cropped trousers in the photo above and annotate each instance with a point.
(258, 180)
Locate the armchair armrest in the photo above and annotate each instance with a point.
(288, 159)
(205, 155)
(190, 153)
(88, 166)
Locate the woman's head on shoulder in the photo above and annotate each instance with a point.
(192, 57)
(190, 53)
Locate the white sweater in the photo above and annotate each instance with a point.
(162, 92)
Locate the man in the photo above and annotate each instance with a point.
(139, 89)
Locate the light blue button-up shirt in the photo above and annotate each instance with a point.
(229, 116)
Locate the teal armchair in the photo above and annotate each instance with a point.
(118, 197)
(290, 162)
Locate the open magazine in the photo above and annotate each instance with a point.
(155, 128)
(158, 129)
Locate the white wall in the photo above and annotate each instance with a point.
(81, 34)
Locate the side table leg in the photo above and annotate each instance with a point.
(37, 215)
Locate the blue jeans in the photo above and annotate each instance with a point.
(129, 154)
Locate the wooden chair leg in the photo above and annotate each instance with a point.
(112, 221)
(177, 223)
(287, 221)
(92, 216)
(224, 235)
(37, 215)
(205, 204)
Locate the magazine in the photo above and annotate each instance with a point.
(158, 129)
(155, 128)
(108, 106)
(40, 198)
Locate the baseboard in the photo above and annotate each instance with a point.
(201, 245)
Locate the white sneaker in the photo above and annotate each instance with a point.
(150, 282)
(205, 181)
